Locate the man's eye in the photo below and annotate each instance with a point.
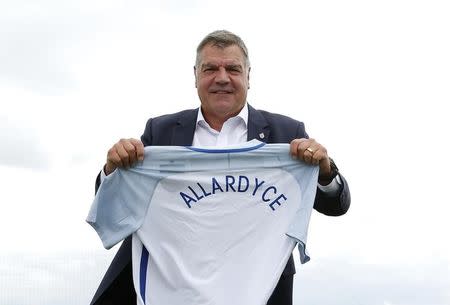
(234, 69)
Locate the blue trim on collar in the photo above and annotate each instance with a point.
(230, 149)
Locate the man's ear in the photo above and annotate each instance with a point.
(195, 76)
(248, 78)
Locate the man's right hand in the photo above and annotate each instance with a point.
(124, 154)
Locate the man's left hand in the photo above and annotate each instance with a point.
(312, 152)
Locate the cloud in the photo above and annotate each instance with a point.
(71, 278)
(338, 281)
(37, 42)
(42, 46)
(21, 146)
(51, 279)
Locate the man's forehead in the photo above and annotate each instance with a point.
(221, 62)
(214, 55)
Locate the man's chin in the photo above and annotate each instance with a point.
(224, 102)
(226, 107)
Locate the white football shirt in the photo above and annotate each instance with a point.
(210, 226)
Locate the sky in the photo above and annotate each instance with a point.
(370, 79)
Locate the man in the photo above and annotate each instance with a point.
(222, 72)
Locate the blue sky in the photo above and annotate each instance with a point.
(369, 79)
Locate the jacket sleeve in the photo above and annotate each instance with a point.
(331, 204)
(336, 204)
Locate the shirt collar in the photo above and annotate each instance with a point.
(243, 114)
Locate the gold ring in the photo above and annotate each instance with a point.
(310, 150)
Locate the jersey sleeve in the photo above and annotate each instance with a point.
(306, 176)
(121, 204)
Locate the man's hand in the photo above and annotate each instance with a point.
(312, 152)
(124, 154)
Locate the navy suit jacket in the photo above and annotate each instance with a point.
(178, 129)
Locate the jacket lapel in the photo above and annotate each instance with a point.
(258, 128)
(183, 133)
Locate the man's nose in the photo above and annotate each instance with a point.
(222, 76)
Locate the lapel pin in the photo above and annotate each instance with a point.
(261, 135)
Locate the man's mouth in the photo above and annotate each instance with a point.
(221, 91)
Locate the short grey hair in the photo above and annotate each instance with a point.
(222, 39)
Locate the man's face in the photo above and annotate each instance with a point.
(222, 81)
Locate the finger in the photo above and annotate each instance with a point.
(307, 143)
(113, 159)
(317, 156)
(320, 155)
(139, 148)
(306, 150)
(131, 151)
(317, 152)
(123, 155)
(294, 147)
(307, 156)
(127, 152)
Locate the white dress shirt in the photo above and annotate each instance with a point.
(234, 131)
